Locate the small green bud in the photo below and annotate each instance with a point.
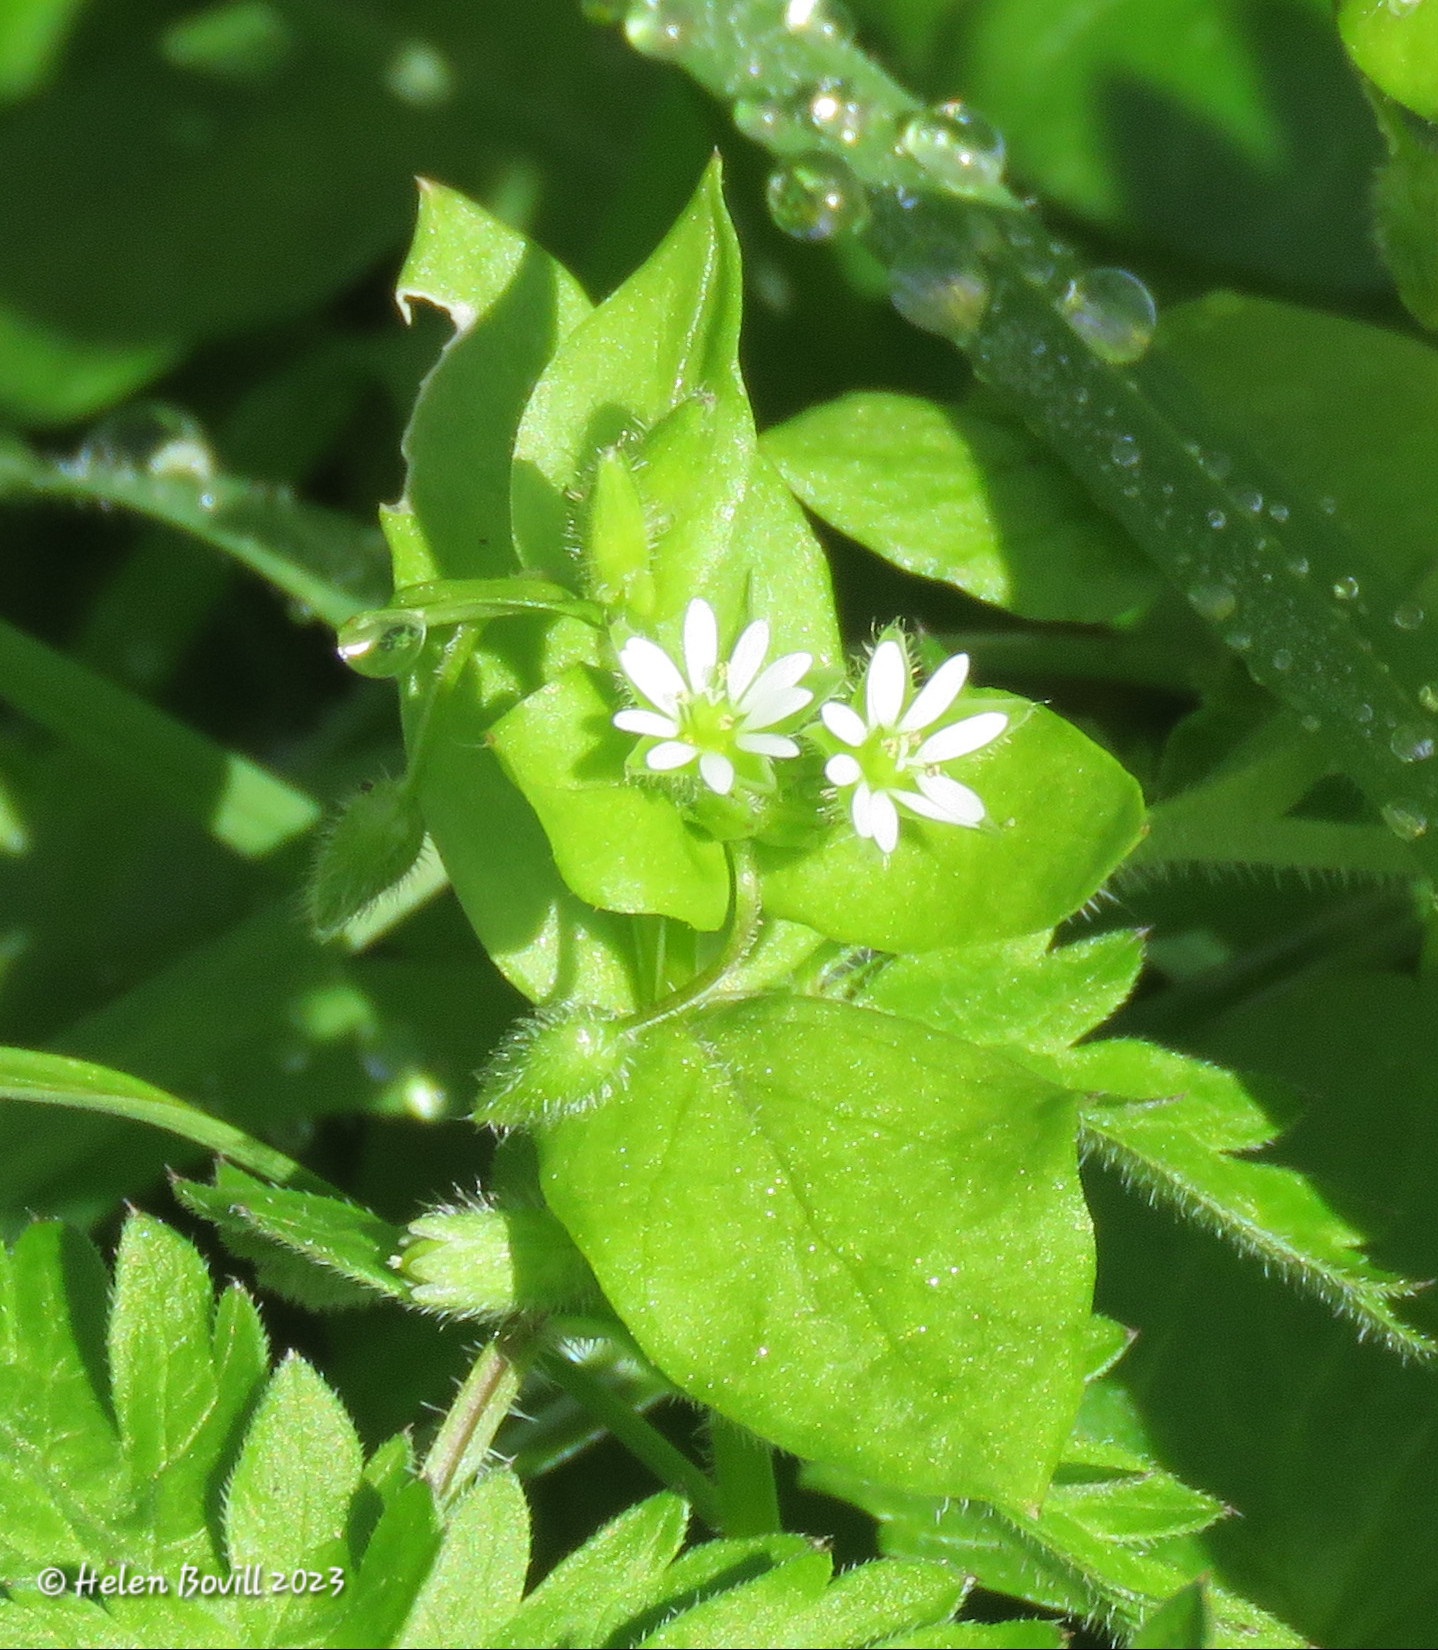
(374, 842)
(553, 1067)
(492, 1263)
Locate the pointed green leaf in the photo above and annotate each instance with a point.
(964, 495)
(477, 1579)
(1184, 1622)
(750, 1205)
(1016, 992)
(586, 1596)
(511, 304)
(1061, 815)
(378, 1599)
(881, 1599)
(989, 1635)
(767, 1610)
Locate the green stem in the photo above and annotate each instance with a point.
(639, 1436)
(744, 1478)
(462, 1443)
(745, 912)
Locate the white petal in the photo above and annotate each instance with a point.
(775, 706)
(701, 643)
(958, 739)
(843, 770)
(961, 805)
(647, 722)
(921, 805)
(884, 821)
(717, 772)
(845, 723)
(775, 685)
(653, 673)
(767, 744)
(746, 658)
(938, 693)
(886, 684)
(860, 808)
(674, 753)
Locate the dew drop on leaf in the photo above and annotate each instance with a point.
(1409, 616)
(1250, 499)
(1217, 520)
(836, 115)
(1298, 566)
(381, 644)
(1283, 660)
(1404, 819)
(1279, 512)
(659, 28)
(1412, 744)
(1113, 312)
(816, 199)
(1214, 601)
(1347, 589)
(1428, 696)
(957, 147)
(1124, 451)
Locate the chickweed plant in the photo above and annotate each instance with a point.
(796, 1020)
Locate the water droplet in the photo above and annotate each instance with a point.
(820, 19)
(930, 290)
(1328, 504)
(957, 147)
(1347, 588)
(1411, 743)
(383, 643)
(1113, 312)
(659, 28)
(838, 116)
(774, 122)
(1124, 451)
(148, 437)
(1279, 513)
(1216, 466)
(1428, 696)
(1298, 566)
(1363, 715)
(1404, 819)
(1217, 520)
(816, 199)
(1248, 498)
(420, 74)
(1409, 616)
(1214, 601)
(1283, 659)
(1239, 640)
(1310, 723)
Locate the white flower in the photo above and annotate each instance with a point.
(713, 711)
(890, 762)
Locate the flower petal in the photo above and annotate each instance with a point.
(653, 673)
(860, 808)
(937, 694)
(960, 805)
(843, 770)
(884, 821)
(767, 744)
(917, 804)
(844, 723)
(745, 660)
(959, 738)
(646, 722)
(674, 753)
(776, 686)
(886, 684)
(701, 643)
(717, 772)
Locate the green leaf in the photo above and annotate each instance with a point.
(619, 845)
(477, 1578)
(1232, 137)
(241, 804)
(1396, 47)
(749, 1204)
(1013, 992)
(1172, 1126)
(593, 1591)
(1405, 201)
(766, 1610)
(322, 1251)
(511, 305)
(373, 844)
(397, 1559)
(878, 1600)
(32, 34)
(1183, 1623)
(288, 1500)
(968, 1635)
(326, 562)
(1063, 814)
(964, 495)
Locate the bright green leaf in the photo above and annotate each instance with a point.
(767, 1610)
(478, 1575)
(963, 495)
(1396, 46)
(1183, 1623)
(750, 1206)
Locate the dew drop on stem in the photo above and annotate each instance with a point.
(1409, 616)
(939, 291)
(659, 28)
(958, 148)
(1215, 602)
(1113, 312)
(1405, 819)
(1347, 589)
(382, 644)
(1411, 743)
(816, 199)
